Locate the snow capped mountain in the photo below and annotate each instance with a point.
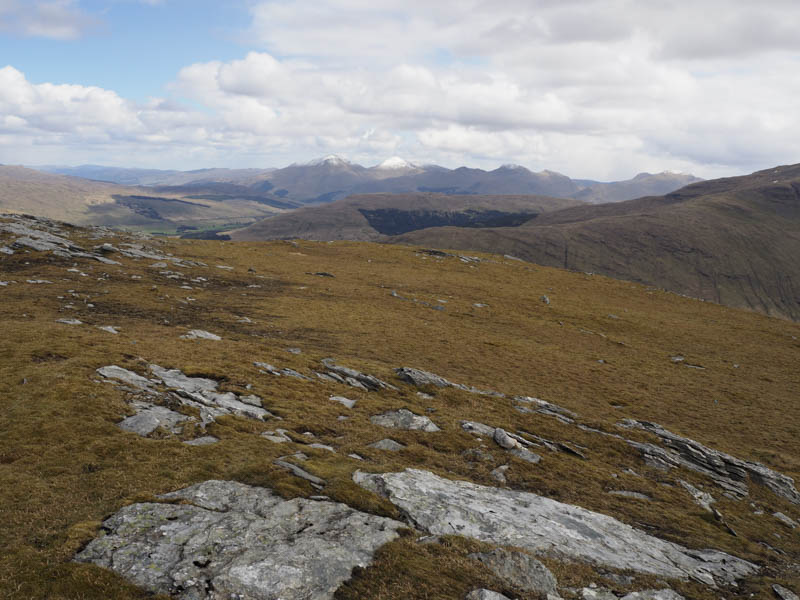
(395, 163)
(331, 160)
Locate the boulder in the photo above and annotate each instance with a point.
(237, 541)
(387, 444)
(520, 570)
(404, 419)
(503, 440)
(541, 525)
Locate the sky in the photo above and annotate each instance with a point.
(599, 89)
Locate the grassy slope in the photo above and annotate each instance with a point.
(84, 201)
(734, 241)
(64, 465)
(341, 220)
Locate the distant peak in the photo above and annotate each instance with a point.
(395, 162)
(331, 159)
(513, 167)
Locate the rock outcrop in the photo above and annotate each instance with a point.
(727, 471)
(422, 378)
(236, 541)
(404, 419)
(541, 525)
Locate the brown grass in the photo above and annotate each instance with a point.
(65, 466)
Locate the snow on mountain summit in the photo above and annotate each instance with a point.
(331, 159)
(395, 162)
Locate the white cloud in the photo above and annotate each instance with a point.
(592, 88)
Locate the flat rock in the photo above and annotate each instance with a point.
(387, 444)
(343, 401)
(150, 418)
(484, 594)
(237, 541)
(126, 376)
(108, 329)
(520, 570)
(541, 525)
(69, 321)
(404, 419)
(200, 334)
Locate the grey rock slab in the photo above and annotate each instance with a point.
(126, 376)
(174, 378)
(203, 391)
(387, 444)
(783, 593)
(526, 455)
(343, 401)
(278, 437)
(664, 594)
(421, 378)
(108, 329)
(727, 471)
(69, 321)
(148, 419)
(297, 471)
(200, 334)
(478, 428)
(239, 542)
(484, 594)
(786, 520)
(6, 250)
(404, 419)
(206, 440)
(508, 517)
(519, 569)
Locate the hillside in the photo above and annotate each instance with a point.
(644, 184)
(371, 217)
(164, 209)
(734, 241)
(208, 420)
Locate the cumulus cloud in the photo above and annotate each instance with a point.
(592, 88)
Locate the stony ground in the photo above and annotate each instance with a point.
(309, 373)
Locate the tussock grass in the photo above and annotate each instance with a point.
(65, 465)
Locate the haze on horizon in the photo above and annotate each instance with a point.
(591, 89)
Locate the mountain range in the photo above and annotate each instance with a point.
(332, 178)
